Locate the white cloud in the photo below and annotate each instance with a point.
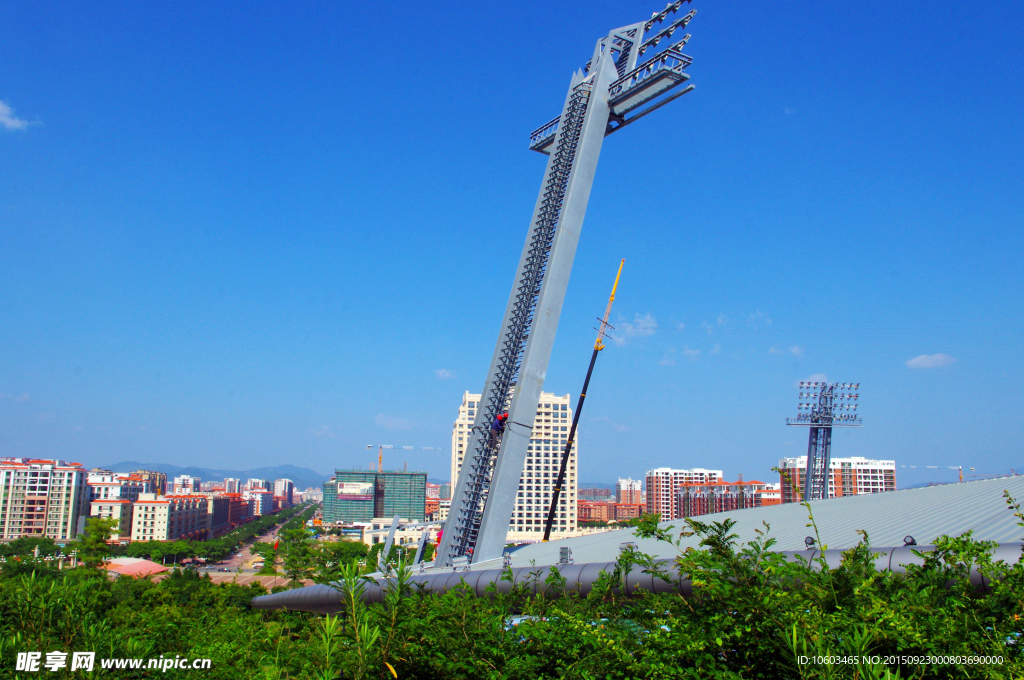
(930, 361)
(19, 398)
(391, 422)
(640, 327)
(670, 357)
(722, 319)
(9, 121)
(323, 432)
(691, 353)
(796, 350)
(444, 374)
(716, 349)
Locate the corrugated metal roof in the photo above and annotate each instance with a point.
(924, 513)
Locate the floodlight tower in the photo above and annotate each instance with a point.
(827, 405)
(611, 91)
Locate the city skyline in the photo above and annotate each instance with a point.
(212, 270)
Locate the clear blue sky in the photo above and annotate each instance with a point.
(237, 235)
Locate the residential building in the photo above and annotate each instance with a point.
(591, 511)
(361, 495)
(219, 509)
(170, 518)
(543, 458)
(847, 477)
(314, 495)
(106, 485)
(598, 494)
(185, 484)
(41, 498)
(664, 483)
(431, 509)
(232, 485)
(433, 490)
(444, 506)
(157, 480)
(261, 502)
(446, 491)
(719, 496)
(629, 491)
(119, 510)
(284, 489)
(254, 484)
(239, 511)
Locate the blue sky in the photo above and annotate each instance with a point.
(257, 233)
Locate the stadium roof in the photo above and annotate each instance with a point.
(924, 513)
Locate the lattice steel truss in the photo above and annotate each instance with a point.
(827, 405)
(610, 92)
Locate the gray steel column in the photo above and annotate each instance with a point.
(509, 467)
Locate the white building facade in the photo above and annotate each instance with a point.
(41, 498)
(847, 477)
(543, 457)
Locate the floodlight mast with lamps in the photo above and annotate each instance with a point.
(823, 406)
(611, 91)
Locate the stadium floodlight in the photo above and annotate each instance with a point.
(824, 412)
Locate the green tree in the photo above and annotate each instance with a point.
(92, 547)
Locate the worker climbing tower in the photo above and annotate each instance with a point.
(611, 91)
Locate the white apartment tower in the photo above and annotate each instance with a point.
(543, 457)
(41, 498)
(232, 485)
(663, 483)
(629, 491)
(185, 484)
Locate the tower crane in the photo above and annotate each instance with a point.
(381, 447)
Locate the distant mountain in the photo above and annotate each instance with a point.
(303, 477)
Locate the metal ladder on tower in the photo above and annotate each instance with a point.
(481, 466)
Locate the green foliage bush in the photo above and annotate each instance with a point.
(752, 614)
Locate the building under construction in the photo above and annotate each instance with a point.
(361, 495)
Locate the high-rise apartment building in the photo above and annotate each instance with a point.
(629, 491)
(119, 510)
(185, 484)
(157, 480)
(847, 477)
(284, 489)
(663, 483)
(41, 498)
(253, 484)
(543, 458)
(232, 485)
(361, 495)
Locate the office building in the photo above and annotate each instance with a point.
(41, 498)
(184, 485)
(361, 495)
(629, 491)
(170, 518)
(847, 477)
(284, 489)
(543, 458)
(446, 491)
(664, 483)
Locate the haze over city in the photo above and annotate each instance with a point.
(257, 239)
